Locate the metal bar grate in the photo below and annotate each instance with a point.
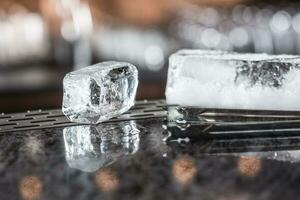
(55, 118)
(211, 123)
(189, 119)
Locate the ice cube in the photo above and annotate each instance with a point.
(218, 79)
(99, 92)
(89, 147)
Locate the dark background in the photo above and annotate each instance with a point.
(42, 40)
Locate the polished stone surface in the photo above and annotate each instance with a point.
(146, 161)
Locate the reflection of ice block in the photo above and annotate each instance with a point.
(89, 148)
(218, 79)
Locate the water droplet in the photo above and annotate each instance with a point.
(165, 139)
(183, 127)
(181, 121)
(180, 109)
(186, 140)
(182, 124)
(164, 127)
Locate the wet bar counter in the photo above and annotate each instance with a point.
(140, 159)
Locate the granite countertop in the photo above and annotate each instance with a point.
(142, 160)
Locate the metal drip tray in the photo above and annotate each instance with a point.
(41, 119)
(229, 123)
(202, 122)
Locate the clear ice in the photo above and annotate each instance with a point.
(220, 79)
(89, 148)
(99, 92)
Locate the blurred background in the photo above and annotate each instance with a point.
(41, 40)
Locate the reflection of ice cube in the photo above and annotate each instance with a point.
(99, 92)
(89, 148)
(221, 79)
(111, 142)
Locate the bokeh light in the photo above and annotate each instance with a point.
(106, 179)
(184, 169)
(249, 166)
(280, 22)
(30, 188)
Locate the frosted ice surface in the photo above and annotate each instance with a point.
(99, 92)
(89, 148)
(219, 79)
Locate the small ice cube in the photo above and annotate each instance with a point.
(218, 79)
(99, 92)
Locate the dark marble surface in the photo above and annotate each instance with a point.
(141, 160)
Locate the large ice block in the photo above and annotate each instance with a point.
(219, 79)
(99, 92)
